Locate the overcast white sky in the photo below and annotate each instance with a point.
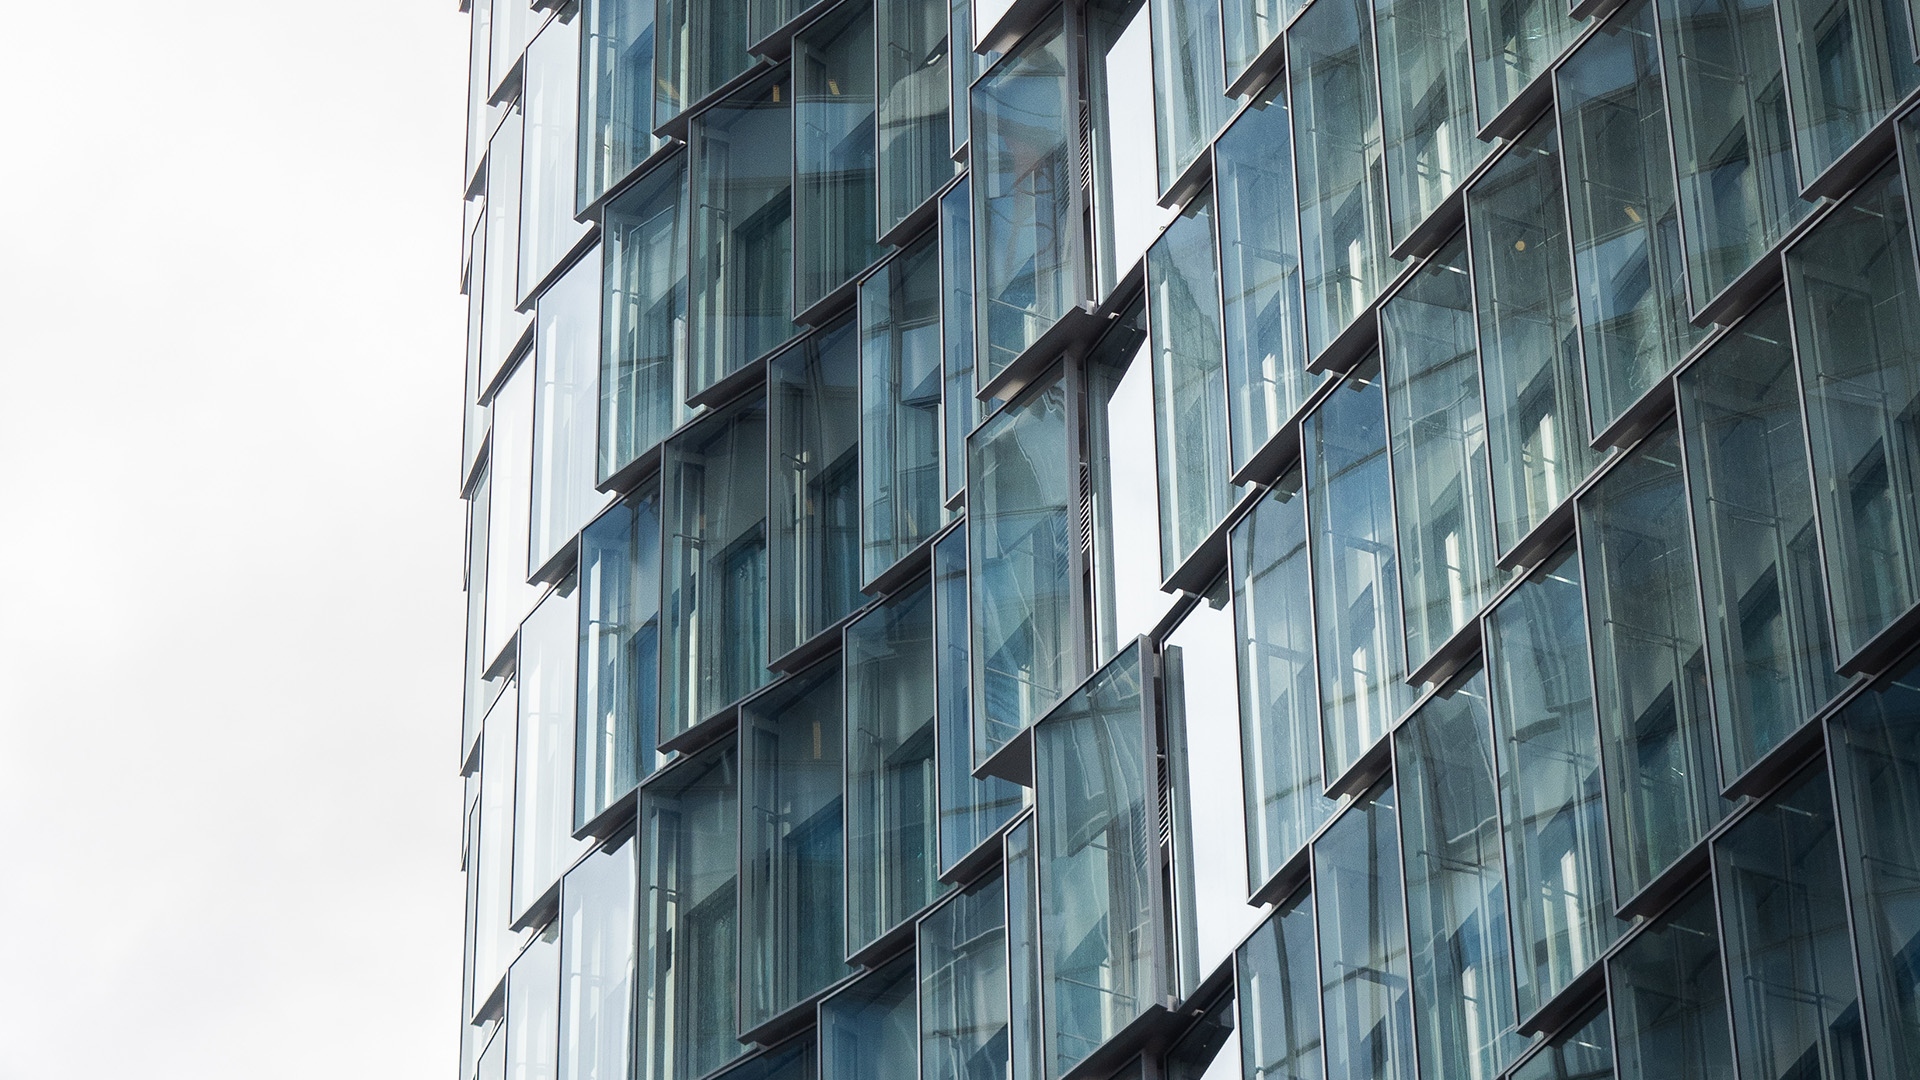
(230, 619)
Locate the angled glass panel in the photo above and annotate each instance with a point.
(834, 143)
(1851, 282)
(962, 950)
(533, 1009)
(643, 353)
(1627, 265)
(513, 23)
(509, 511)
(1650, 667)
(1249, 26)
(1537, 447)
(1098, 854)
(1358, 899)
(1584, 1054)
(619, 653)
(543, 843)
(494, 945)
(1189, 382)
(796, 1059)
(616, 94)
(481, 117)
(1356, 578)
(901, 501)
(1428, 349)
(740, 290)
(960, 411)
(1547, 750)
(1026, 1052)
(813, 407)
(1667, 1000)
(893, 844)
(792, 844)
(502, 324)
(1021, 502)
(689, 822)
(473, 427)
(871, 1029)
(1278, 994)
(1759, 554)
(766, 16)
(598, 919)
(478, 689)
(566, 403)
(1513, 44)
(550, 99)
(1210, 1049)
(915, 157)
(1124, 492)
(971, 810)
(1127, 214)
(1189, 82)
(701, 44)
(1848, 63)
(1426, 105)
(1024, 160)
(713, 501)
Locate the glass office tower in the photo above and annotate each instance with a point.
(1373, 540)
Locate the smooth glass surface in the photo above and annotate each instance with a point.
(1120, 77)
(1643, 613)
(1426, 104)
(1753, 531)
(971, 811)
(543, 843)
(901, 501)
(1098, 855)
(1356, 577)
(1584, 1054)
(502, 324)
(871, 1029)
(1210, 1049)
(481, 117)
(960, 411)
(616, 94)
(644, 367)
(1127, 600)
(1249, 26)
(566, 403)
(1026, 1050)
(1848, 63)
(1363, 944)
(1441, 486)
(619, 653)
(598, 920)
(1855, 303)
(478, 690)
(792, 836)
(509, 508)
(835, 174)
(741, 287)
(796, 1059)
(550, 101)
(1189, 383)
(533, 1009)
(1189, 82)
(713, 499)
(1667, 1000)
(813, 408)
(892, 812)
(513, 22)
(494, 945)
(1514, 42)
(700, 45)
(962, 950)
(911, 37)
(1278, 985)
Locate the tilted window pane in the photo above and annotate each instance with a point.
(1263, 318)
(964, 65)
(1668, 1003)
(502, 325)
(1854, 298)
(1120, 81)
(1848, 63)
(1754, 533)
(1649, 663)
(901, 502)
(713, 500)
(1279, 997)
(1098, 854)
(616, 94)
(962, 949)
(566, 402)
(1026, 1053)
(1020, 502)
(551, 100)
(892, 816)
(813, 392)
(1456, 890)
(1125, 498)
(543, 843)
(701, 44)
(1426, 92)
(1210, 1049)
(473, 426)
(970, 810)
(1189, 82)
(509, 509)
(598, 918)
(1024, 157)
(741, 285)
(834, 147)
(512, 23)
(912, 116)
(1189, 383)
(1361, 913)
(494, 945)
(689, 823)
(766, 16)
(871, 1030)
(481, 117)
(643, 358)
(1441, 487)
(1547, 746)
(1356, 578)
(1250, 26)
(1537, 445)
(1513, 44)
(1627, 264)
(533, 1009)
(478, 688)
(960, 411)
(619, 653)
(1585, 1054)
(791, 844)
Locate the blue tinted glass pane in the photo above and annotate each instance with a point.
(1250, 26)
(1279, 997)
(871, 1030)
(1026, 1053)
(616, 94)
(912, 115)
(1210, 1048)
(1667, 1000)
(900, 388)
(960, 411)
(619, 652)
(970, 810)
(834, 148)
(963, 986)
(1363, 945)
(1426, 84)
(701, 44)
(1514, 42)
(1189, 383)
(643, 351)
(1189, 82)
(1585, 1054)
(598, 918)
(813, 409)
(1847, 65)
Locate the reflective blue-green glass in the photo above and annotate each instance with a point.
(971, 810)
(871, 1029)
(502, 324)
(901, 502)
(1127, 214)
(1210, 1049)
(1278, 682)
(1667, 1000)
(1098, 853)
(766, 16)
(566, 405)
(1279, 997)
(915, 158)
(1848, 63)
(1263, 319)
(1456, 889)
(643, 351)
(713, 501)
(962, 950)
(835, 173)
(533, 1009)
(616, 94)
(689, 825)
(619, 652)
(1629, 276)
(1585, 1054)
(510, 476)
(1124, 494)
(1356, 577)
(1189, 82)
(1426, 105)
(1337, 155)
(1855, 304)
(1547, 749)
(960, 411)
(1514, 42)
(550, 102)
(792, 851)
(893, 842)
(1643, 613)
(1249, 26)
(700, 44)
(1362, 928)
(963, 67)
(1876, 766)
(1024, 162)
(1189, 382)
(494, 945)
(1020, 505)
(1026, 1053)
(1753, 527)
(598, 918)
(1537, 448)
(1428, 349)
(741, 286)
(543, 843)
(795, 1059)
(813, 426)
(1796, 1005)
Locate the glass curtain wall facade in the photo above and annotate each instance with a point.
(1372, 540)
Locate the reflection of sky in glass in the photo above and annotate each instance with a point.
(1137, 600)
(1136, 218)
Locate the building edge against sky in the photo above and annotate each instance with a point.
(1367, 539)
